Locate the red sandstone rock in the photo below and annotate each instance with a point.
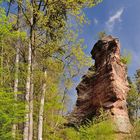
(105, 85)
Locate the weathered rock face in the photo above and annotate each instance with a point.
(105, 85)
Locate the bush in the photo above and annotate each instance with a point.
(11, 112)
(100, 128)
(135, 135)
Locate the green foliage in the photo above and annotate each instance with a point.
(134, 106)
(126, 58)
(135, 134)
(137, 78)
(11, 112)
(102, 34)
(94, 131)
(6, 28)
(100, 128)
(133, 102)
(133, 98)
(100, 131)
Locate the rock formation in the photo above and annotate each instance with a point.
(104, 86)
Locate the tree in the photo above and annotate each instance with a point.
(41, 109)
(102, 34)
(133, 98)
(11, 110)
(133, 102)
(137, 77)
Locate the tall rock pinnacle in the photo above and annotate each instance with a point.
(104, 86)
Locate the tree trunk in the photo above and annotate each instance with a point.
(16, 85)
(31, 98)
(16, 80)
(28, 88)
(41, 110)
(63, 100)
(28, 127)
(31, 111)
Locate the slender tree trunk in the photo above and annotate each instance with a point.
(16, 84)
(28, 88)
(41, 110)
(16, 80)
(31, 111)
(28, 127)
(31, 93)
(63, 100)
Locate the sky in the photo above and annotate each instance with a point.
(120, 18)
